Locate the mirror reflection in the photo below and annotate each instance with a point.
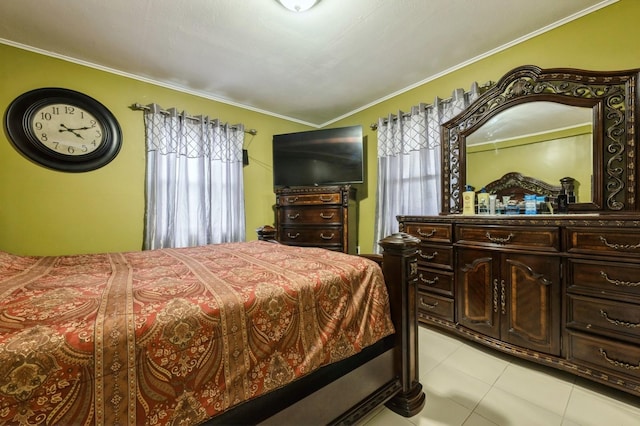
(547, 140)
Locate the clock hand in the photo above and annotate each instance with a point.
(66, 129)
(85, 128)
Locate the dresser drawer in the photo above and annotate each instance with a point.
(435, 281)
(329, 215)
(605, 317)
(436, 256)
(432, 232)
(619, 357)
(309, 199)
(609, 241)
(311, 236)
(606, 278)
(539, 238)
(435, 306)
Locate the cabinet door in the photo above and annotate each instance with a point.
(477, 298)
(530, 301)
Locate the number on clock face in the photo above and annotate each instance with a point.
(67, 129)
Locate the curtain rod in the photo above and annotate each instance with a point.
(141, 107)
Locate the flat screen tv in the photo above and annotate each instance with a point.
(318, 157)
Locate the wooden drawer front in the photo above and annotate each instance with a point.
(435, 281)
(311, 236)
(435, 255)
(433, 232)
(435, 306)
(619, 357)
(619, 242)
(540, 238)
(608, 278)
(309, 199)
(330, 215)
(604, 316)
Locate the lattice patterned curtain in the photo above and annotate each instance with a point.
(409, 160)
(194, 183)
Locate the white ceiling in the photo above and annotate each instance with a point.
(314, 67)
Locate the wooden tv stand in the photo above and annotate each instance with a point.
(559, 290)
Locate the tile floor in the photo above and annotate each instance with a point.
(467, 384)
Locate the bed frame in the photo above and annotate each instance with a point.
(385, 373)
(516, 185)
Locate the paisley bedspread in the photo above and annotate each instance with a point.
(175, 336)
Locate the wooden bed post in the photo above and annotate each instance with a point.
(400, 267)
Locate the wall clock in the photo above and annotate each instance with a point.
(63, 129)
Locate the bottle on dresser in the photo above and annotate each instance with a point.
(483, 202)
(469, 201)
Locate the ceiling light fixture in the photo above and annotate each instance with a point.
(298, 5)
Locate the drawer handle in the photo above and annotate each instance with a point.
(293, 237)
(498, 239)
(618, 322)
(426, 305)
(293, 216)
(324, 237)
(619, 246)
(426, 234)
(502, 298)
(292, 199)
(618, 363)
(325, 198)
(618, 282)
(324, 216)
(428, 256)
(429, 282)
(495, 295)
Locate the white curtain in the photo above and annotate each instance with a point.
(409, 161)
(194, 185)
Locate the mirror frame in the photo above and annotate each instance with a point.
(611, 96)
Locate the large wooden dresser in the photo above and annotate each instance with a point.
(319, 216)
(560, 290)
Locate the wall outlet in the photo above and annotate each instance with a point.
(358, 249)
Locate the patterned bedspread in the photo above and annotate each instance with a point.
(175, 336)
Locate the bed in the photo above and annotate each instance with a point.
(516, 185)
(237, 333)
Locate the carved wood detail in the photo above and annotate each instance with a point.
(612, 95)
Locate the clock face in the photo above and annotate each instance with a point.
(63, 129)
(67, 129)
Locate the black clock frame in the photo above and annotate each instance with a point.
(17, 125)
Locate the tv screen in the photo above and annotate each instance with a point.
(318, 157)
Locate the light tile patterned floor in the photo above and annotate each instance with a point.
(467, 384)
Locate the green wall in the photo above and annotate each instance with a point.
(603, 40)
(49, 212)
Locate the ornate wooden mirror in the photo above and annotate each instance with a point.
(565, 121)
